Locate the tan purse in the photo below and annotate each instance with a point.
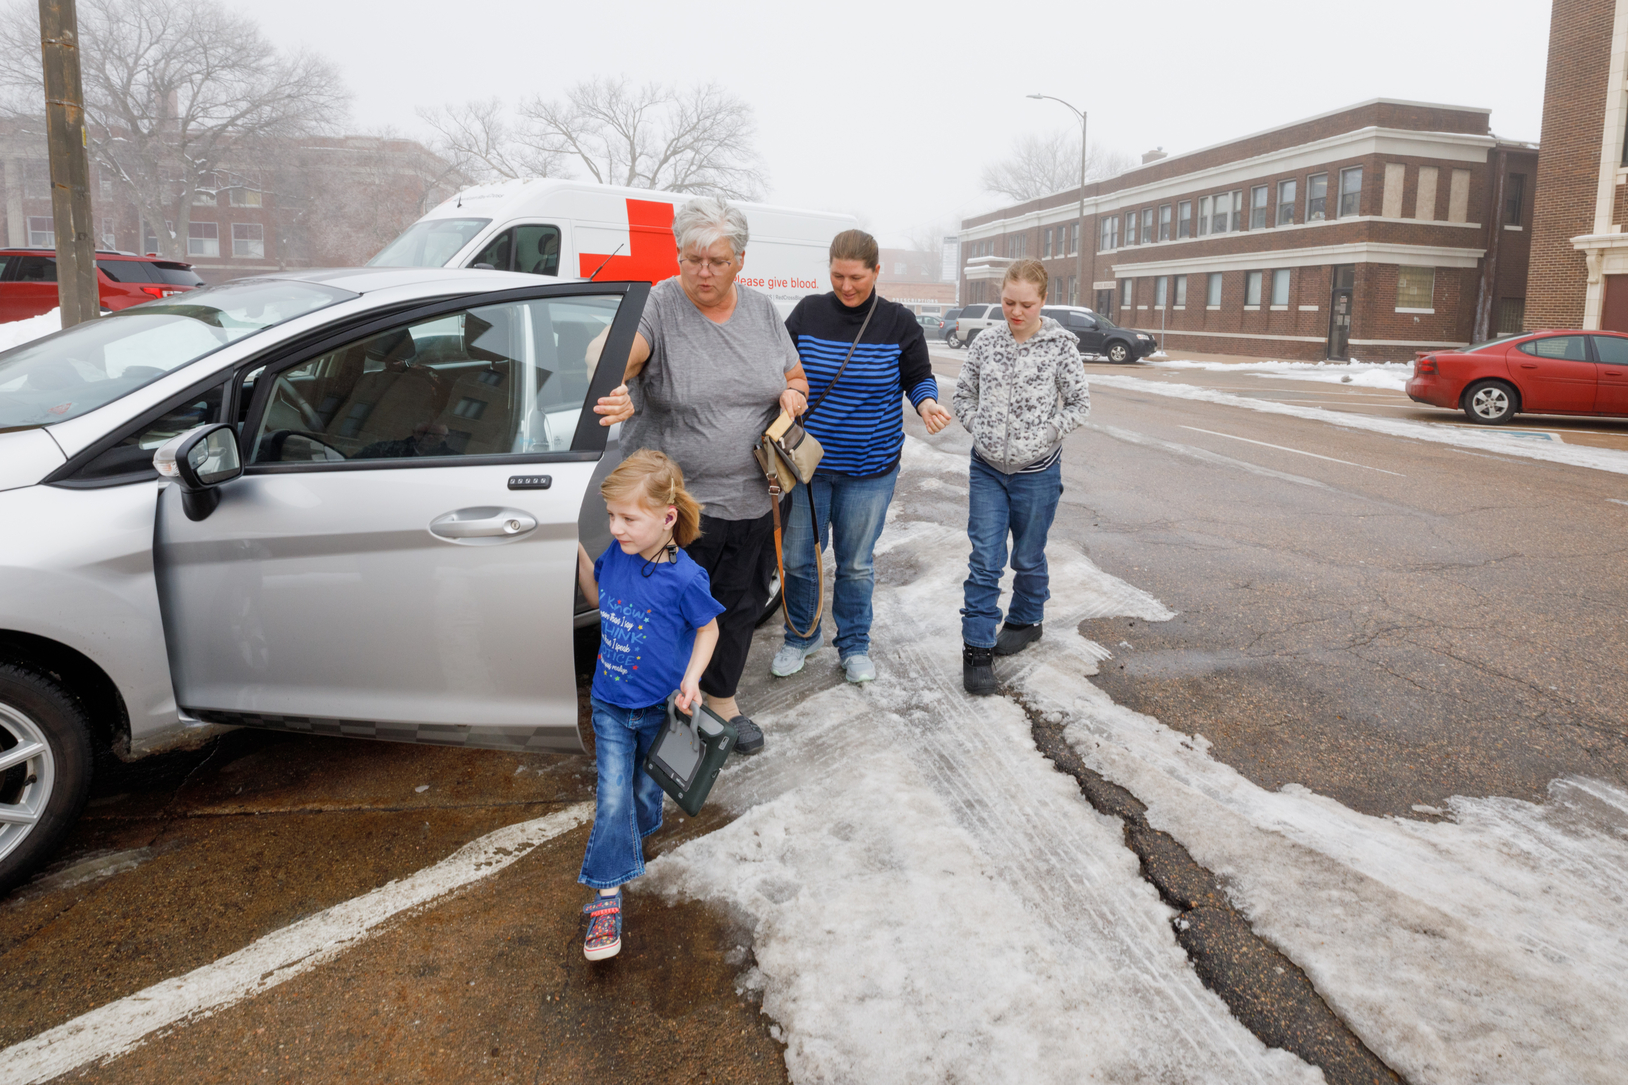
(788, 454)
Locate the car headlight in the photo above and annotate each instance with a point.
(1140, 336)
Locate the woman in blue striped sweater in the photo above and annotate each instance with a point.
(860, 421)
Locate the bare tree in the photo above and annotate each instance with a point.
(696, 139)
(482, 143)
(1040, 165)
(176, 93)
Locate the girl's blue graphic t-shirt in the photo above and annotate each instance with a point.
(647, 625)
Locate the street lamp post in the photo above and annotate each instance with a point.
(1079, 275)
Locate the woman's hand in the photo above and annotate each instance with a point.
(793, 402)
(934, 415)
(616, 407)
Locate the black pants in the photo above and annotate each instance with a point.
(736, 555)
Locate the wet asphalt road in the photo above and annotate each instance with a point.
(1427, 623)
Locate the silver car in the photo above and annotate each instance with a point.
(377, 483)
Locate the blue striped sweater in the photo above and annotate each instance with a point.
(861, 422)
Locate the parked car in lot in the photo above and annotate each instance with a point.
(376, 489)
(1101, 336)
(972, 320)
(947, 331)
(1544, 372)
(28, 281)
(931, 325)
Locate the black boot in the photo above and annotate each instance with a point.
(1014, 638)
(978, 669)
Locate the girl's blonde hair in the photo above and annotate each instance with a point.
(657, 482)
(1028, 271)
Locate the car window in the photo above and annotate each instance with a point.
(428, 243)
(174, 274)
(1490, 344)
(537, 250)
(1081, 320)
(89, 365)
(36, 269)
(132, 458)
(5, 262)
(1611, 350)
(1566, 348)
(492, 380)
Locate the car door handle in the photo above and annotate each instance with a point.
(486, 522)
(1613, 372)
(1529, 365)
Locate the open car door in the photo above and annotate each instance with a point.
(398, 560)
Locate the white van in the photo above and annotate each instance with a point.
(577, 230)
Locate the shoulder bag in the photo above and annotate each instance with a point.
(788, 455)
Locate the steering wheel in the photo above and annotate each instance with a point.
(285, 392)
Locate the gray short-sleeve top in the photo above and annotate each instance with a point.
(707, 391)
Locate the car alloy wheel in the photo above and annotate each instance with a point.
(1490, 403)
(45, 767)
(1118, 352)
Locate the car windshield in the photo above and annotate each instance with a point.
(428, 243)
(1490, 343)
(90, 365)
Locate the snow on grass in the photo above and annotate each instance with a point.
(931, 900)
(1392, 376)
(1484, 439)
(15, 333)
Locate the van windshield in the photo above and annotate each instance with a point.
(90, 365)
(428, 243)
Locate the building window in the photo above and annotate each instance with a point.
(1350, 191)
(1285, 203)
(1237, 221)
(1130, 227)
(1252, 288)
(1073, 291)
(1223, 211)
(1074, 239)
(108, 238)
(1511, 315)
(1161, 291)
(1280, 287)
(1147, 226)
(245, 197)
(203, 239)
(248, 239)
(1203, 215)
(1514, 199)
(104, 184)
(1257, 207)
(1110, 233)
(1164, 223)
(1316, 196)
(1127, 293)
(1213, 296)
(42, 232)
(1045, 245)
(1181, 291)
(1184, 218)
(1415, 288)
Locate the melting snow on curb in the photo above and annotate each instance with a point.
(932, 901)
(1388, 375)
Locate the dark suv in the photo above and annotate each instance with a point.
(1099, 335)
(28, 280)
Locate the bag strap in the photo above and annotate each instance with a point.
(780, 560)
(875, 297)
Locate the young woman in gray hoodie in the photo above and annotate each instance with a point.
(1021, 391)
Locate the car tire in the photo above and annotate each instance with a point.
(1490, 403)
(47, 786)
(1119, 352)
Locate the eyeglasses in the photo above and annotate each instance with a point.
(718, 266)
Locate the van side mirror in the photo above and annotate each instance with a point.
(200, 460)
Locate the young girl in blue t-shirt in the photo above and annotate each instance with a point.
(657, 627)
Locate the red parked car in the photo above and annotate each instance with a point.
(28, 280)
(1547, 372)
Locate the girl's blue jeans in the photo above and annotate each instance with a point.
(1022, 507)
(850, 512)
(627, 807)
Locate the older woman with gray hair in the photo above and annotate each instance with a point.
(711, 367)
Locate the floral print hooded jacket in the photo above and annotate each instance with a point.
(1019, 400)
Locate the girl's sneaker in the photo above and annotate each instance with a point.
(604, 937)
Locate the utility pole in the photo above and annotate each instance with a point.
(1079, 278)
(70, 163)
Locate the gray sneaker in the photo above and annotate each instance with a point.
(859, 669)
(789, 660)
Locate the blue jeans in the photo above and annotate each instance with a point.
(1023, 507)
(627, 807)
(851, 512)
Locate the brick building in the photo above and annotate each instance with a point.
(322, 202)
(1371, 231)
(916, 279)
(1579, 268)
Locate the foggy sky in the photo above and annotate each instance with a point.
(889, 110)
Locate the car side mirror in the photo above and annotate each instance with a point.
(200, 460)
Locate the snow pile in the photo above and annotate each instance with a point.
(15, 333)
(931, 900)
(1392, 376)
